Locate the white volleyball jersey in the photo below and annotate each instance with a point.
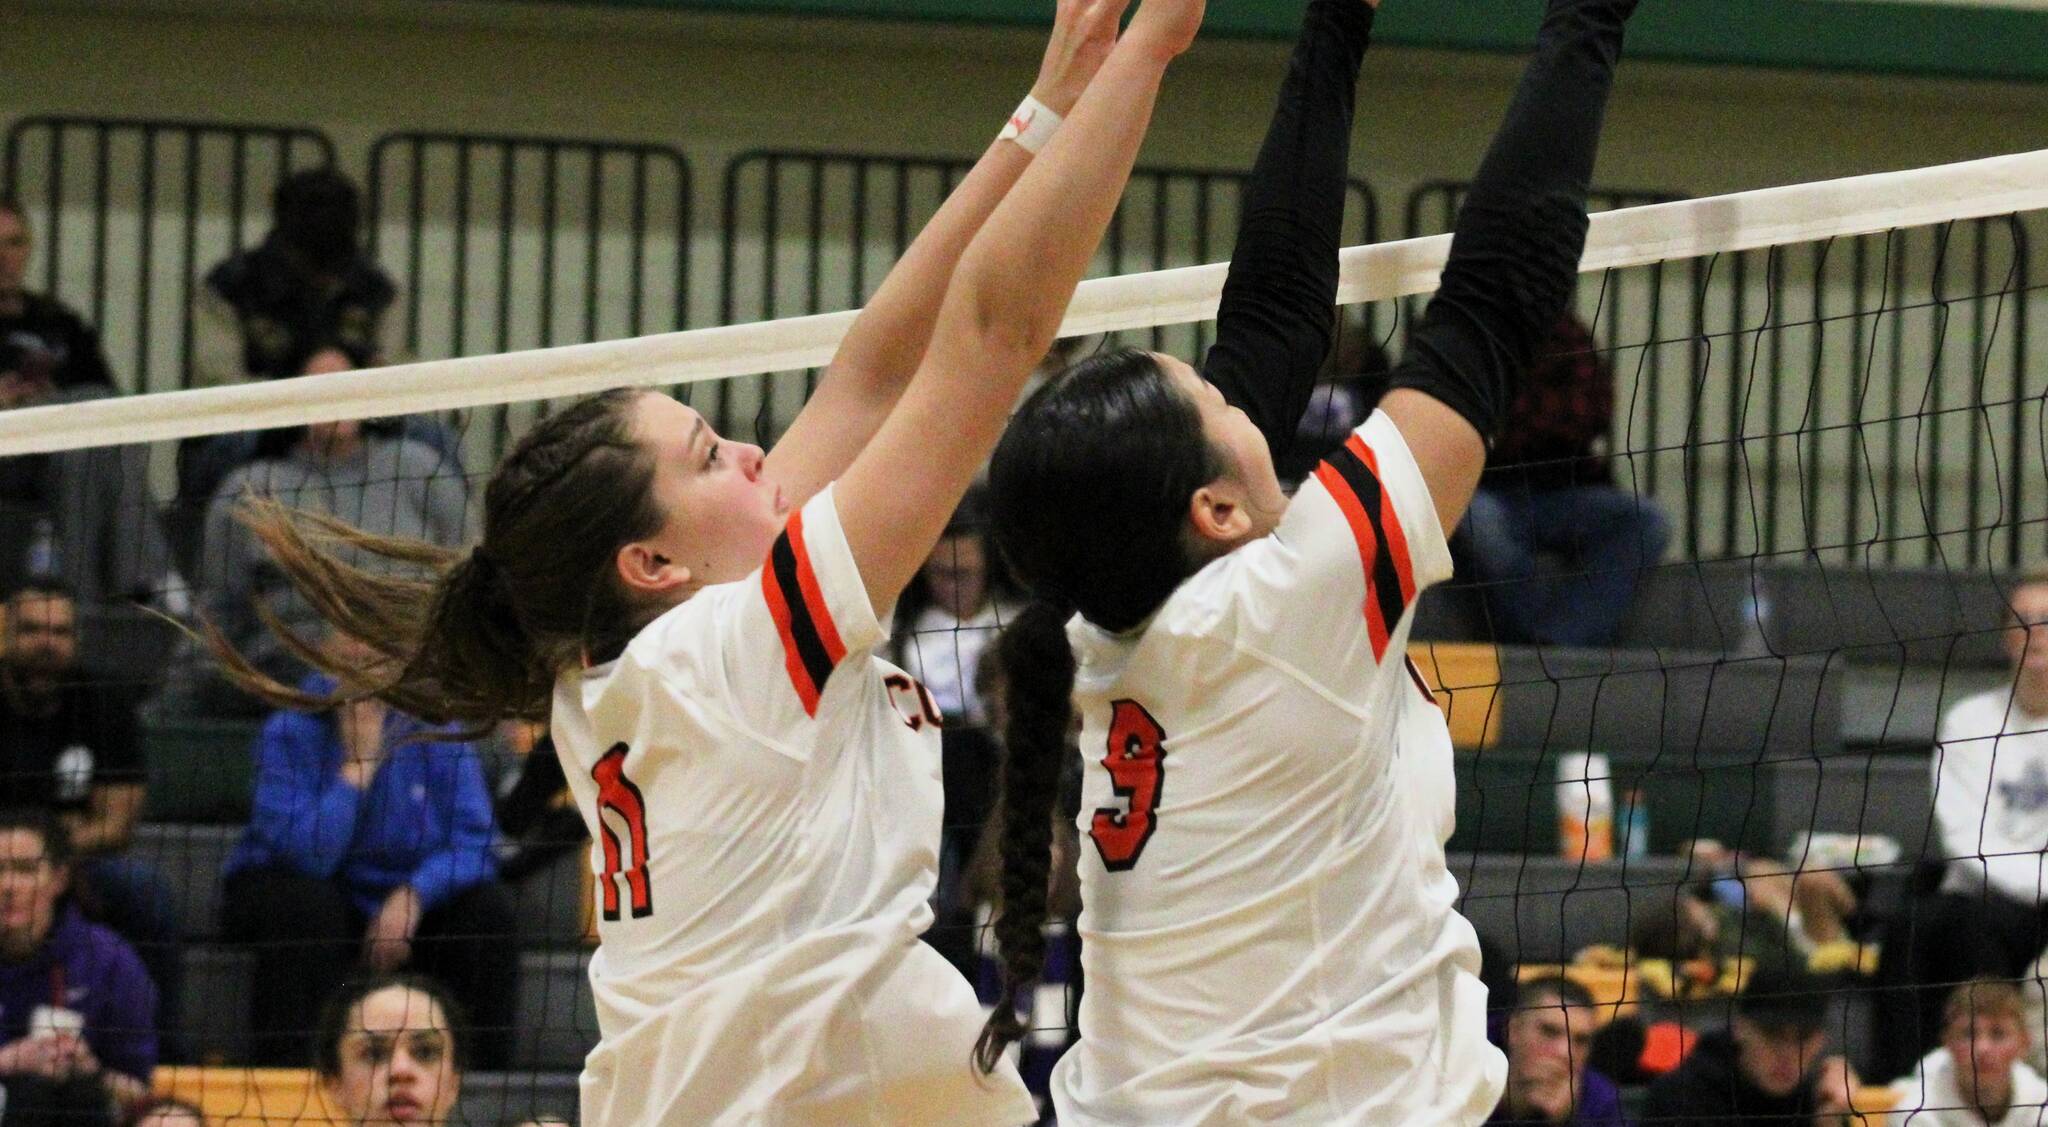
(1268, 931)
(764, 805)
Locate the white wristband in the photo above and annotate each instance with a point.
(1031, 126)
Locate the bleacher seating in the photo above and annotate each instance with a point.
(557, 1023)
(199, 770)
(1507, 799)
(1751, 750)
(263, 1097)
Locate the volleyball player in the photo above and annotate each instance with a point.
(763, 790)
(1268, 931)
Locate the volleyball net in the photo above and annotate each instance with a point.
(1817, 465)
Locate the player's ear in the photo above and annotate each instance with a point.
(1217, 512)
(644, 570)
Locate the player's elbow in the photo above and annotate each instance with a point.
(1003, 320)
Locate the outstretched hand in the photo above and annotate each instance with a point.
(1083, 31)
(1166, 27)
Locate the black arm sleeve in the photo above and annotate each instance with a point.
(1515, 253)
(1277, 317)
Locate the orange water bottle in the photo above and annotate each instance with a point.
(1585, 807)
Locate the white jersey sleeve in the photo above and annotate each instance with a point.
(764, 650)
(1359, 544)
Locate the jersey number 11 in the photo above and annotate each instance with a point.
(617, 795)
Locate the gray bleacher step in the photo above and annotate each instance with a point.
(1692, 704)
(1538, 909)
(1544, 909)
(556, 1016)
(1920, 615)
(1897, 705)
(548, 903)
(1888, 795)
(189, 857)
(557, 1021)
(506, 1098)
(1508, 799)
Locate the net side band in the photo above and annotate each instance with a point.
(1630, 237)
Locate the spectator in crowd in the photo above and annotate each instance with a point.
(309, 285)
(1703, 927)
(86, 514)
(1549, 1039)
(369, 845)
(952, 610)
(77, 1011)
(266, 312)
(1809, 908)
(392, 1049)
(536, 813)
(1976, 1078)
(944, 623)
(1990, 771)
(1746, 905)
(1346, 396)
(1769, 1066)
(170, 1113)
(1549, 488)
(69, 746)
(377, 482)
(45, 347)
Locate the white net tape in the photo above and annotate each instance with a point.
(1630, 237)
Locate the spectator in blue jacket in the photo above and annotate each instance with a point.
(368, 847)
(77, 1011)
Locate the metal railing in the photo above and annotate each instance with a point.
(501, 243)
(1863, 401)
(807, 232)
(131, 213)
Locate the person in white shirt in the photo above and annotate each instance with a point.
(951, 612)
(1977, 1077)
(943, 625)
(1990, 773)
(1268, 928)
(700, 621)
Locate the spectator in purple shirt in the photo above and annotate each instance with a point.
(1548, 1038)
(77, 1011)
(368, 846)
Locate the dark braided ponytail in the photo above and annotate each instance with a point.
(1038, 672)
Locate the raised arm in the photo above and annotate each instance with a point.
(1274, 327)
(1004, 308)
(1514, 256)
(882, 349)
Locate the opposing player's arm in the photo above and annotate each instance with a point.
(110, 817)
(889, 338)
(1277, 317)
(1514, 255)
(1005, 305)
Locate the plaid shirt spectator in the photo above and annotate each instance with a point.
(1560, 417)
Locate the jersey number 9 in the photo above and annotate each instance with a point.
(1136, 761)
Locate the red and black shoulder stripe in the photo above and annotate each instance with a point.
(810, 640)
(1352, 475)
